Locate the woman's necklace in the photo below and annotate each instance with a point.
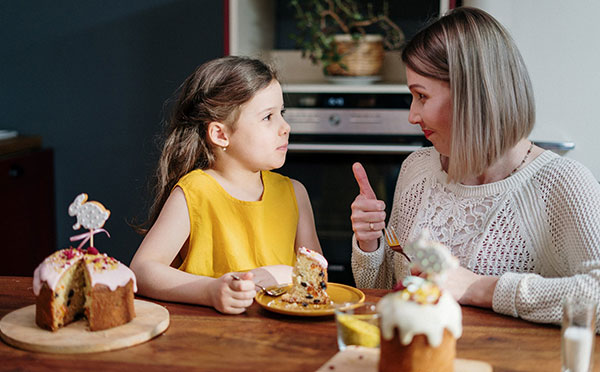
(523, 161)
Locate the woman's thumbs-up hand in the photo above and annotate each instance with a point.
(368, 213)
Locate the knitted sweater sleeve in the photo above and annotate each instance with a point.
(383, 267)
(565, 233)
(372, 269)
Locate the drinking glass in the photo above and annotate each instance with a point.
(578, 334)
(357, 324)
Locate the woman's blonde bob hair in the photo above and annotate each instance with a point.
(492, 97)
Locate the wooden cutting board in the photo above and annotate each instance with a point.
(18, 329)
(363, 359)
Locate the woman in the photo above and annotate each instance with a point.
(523, 222)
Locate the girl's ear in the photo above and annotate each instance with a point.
(218, 134)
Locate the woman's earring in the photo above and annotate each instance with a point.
(224, 148)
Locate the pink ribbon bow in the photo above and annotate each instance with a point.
(86, 236)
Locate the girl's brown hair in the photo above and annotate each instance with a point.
(492, 97)
(214, 92)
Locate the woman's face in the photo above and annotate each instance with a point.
(431, 108)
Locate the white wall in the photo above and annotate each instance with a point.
(560, 42)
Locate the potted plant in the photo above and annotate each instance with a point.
(340, 35)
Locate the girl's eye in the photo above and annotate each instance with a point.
(268, 117)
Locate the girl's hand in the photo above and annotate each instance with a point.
(230, 296)
(368, 213)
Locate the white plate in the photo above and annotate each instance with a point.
(5, 134)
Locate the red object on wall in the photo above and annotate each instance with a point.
(226, 25)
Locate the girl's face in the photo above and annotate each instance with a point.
(431, 108)
(260, 139)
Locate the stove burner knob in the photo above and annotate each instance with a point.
(334, 120)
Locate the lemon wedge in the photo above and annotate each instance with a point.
(355, 331)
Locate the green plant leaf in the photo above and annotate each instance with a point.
(316, 25)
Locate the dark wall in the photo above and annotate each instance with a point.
(91, 78)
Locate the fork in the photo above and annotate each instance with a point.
(275, 292)
(392, 240)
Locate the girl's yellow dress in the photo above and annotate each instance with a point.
(227, 234)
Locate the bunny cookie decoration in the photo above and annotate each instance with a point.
(431, 257)
(433, 260)
(91, 215)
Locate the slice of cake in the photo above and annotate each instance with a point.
(309, 279)
(72, 283)
(419, 322)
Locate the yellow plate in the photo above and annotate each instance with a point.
(338, 294)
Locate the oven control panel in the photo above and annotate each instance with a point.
(349, 113)
(350, 121)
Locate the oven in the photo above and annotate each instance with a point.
(333, 127)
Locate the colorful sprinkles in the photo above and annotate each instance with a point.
(416, 289)
(67, 257)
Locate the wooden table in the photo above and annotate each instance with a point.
(201, 339)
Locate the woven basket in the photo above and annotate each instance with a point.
(362, 57)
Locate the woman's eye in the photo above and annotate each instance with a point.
(418, 96)
(268, 117)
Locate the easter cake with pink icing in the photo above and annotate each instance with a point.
(76, 282)
(309, 279)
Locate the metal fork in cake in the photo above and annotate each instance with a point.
(393, 242)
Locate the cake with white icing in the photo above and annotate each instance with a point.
(75, 282)
(309, 279)
(419, 321)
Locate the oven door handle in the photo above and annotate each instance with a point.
(347, 148)
(556, 146)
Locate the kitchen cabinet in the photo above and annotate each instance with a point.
(27, 227)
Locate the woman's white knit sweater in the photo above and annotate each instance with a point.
(538, 230)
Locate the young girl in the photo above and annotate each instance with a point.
(221, 221)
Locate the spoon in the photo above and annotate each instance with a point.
(274, 292)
